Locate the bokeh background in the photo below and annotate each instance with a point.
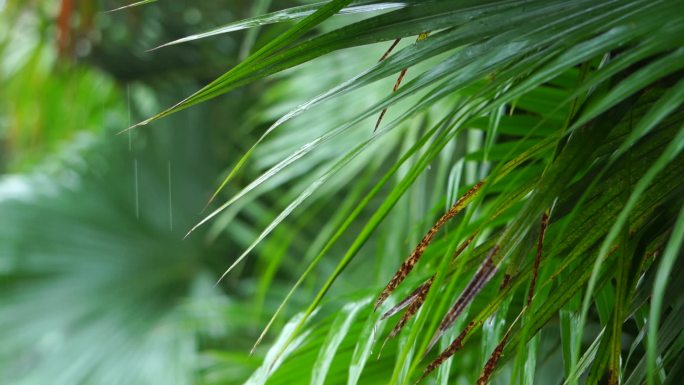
(97, 283)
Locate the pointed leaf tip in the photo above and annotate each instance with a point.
(412, 308)
(130, 5)
(484, 273)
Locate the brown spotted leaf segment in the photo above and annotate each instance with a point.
(413, 307)
(484, 273)
(421, 37)
(455, 346)
(411, 261)
(407, 301)
(492, 361)
(537, 258)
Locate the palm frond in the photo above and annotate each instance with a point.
(570, 109)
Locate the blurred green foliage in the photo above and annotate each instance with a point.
(98, 285)
(522, 108)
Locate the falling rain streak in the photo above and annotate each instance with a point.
(170, 199)
(136, 188)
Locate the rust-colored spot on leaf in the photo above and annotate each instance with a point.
(504, 283)
(537, 258)
(411, 261)
(492, 361)
(652, 255)
(455, 346)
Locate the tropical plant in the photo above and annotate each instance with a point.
(526, 167)
(570, 111)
